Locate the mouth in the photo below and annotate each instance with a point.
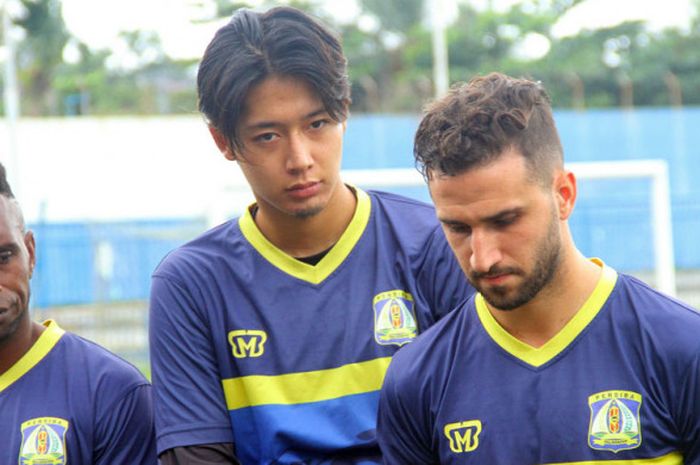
(495, 280)
(495, 277)
(304, 190)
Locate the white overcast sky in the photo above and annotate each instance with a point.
(98, 22)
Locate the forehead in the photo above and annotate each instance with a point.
(279, 98)
(486, 190)
(10, 219)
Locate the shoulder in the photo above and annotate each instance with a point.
(433, 348)
(399, 204)
(652, 305)
(102, 368)
(404, 218)
(199, 251)
(670, 325)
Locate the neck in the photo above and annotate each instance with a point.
(19, 343)
(302, 237)
(538, 321)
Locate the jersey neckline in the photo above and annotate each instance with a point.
(313, 274)
(43, 345)
(538, 356)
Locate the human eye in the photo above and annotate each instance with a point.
(457, 228)
(505, 220)
(265, 137)
(319, 123)
(5, 256)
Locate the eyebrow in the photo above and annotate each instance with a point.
(488, 219)
(273, 124)
(11, 246)
(501, 214)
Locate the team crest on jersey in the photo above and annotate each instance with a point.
(615, 424)
(394, 318)
(247, 342)
(43, 441)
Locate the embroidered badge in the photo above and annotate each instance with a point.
(615, 422)
(463, 436)
(43, 441)
(394, 318)
(247, 342)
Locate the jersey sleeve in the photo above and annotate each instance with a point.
(124, 433)
(441, 276)
(190, 408)
(205, 454)
(402, 439)
(689, 411)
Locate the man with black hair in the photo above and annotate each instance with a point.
(271, 333)
(62, 399)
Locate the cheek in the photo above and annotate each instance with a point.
(460, 247)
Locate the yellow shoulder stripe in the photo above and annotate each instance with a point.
(538, 356)
(47, 340)
(305, 387)
(333, 259)
(674, 458)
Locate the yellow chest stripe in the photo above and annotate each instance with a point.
(305, 387)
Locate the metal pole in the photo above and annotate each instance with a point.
(440, 59)
(663, 233)
(11, 99)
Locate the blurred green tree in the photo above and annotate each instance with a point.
(40, 54)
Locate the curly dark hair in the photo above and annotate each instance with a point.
(253, 46)
(476, 122)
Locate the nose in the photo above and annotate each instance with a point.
(299, 156)
(485, 251)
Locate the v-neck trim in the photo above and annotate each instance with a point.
(538, 356)
(47, 340)
(314, 274)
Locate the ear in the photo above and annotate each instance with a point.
(31, 251)
(222, 143)
(565, 193)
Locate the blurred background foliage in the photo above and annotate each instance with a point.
(390, 57)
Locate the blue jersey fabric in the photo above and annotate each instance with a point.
(286, 359)
(619, 384)
(69, 401)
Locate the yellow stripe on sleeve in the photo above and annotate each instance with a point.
(305, 387)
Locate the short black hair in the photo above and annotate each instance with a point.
(478, 121)
(283, 41)
(5, 188)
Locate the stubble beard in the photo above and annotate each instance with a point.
(547, 260)
(308, 213)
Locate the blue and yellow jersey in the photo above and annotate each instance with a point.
(619, 384)
(69, 401)
(286, 359)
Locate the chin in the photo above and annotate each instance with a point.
(307, 212)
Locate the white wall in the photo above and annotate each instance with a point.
(121, 168)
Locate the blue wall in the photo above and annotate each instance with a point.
(82, 263)
(612, 218)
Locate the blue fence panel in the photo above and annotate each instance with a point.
(80, 263)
